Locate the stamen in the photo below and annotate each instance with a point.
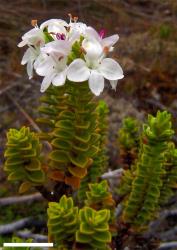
(106, 50)
(83, 50)
(60, 58)
(70, 16)
(72, 19)
(38, 43)
(63, 37)
(34, 23)
(75, 19)
(60, 36)
(68, 28)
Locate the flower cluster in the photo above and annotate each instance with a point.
(58, 50)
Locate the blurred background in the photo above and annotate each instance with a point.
(146, 50)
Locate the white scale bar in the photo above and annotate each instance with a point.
(28, 244)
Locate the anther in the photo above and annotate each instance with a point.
(60, 58)
(106, 50)
(83, 50)
(34, 23)
(70, 16)
(75, 19)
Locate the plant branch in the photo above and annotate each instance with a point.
(115, 174)
(21, 199)
(168, 245)
(26, 234)
(155, 225)
(168, 235)
(22, 223)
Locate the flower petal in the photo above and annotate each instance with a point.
(93, 49)
(91, 33)
(110, 69)
(113, 84)
(45, 66)
(59, 79)
(110, 40)
(39, 60)
(78, 27)
(78, 71)
(33, 37)
(96, 82)
(30, 69)
(46, 82)
(26, 56)
(22, 43)
(61, 47)
(54, 25)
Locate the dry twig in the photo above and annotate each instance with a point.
(22, 223)
(115, 174)
(155, 225)
(168, 235)
(26, 234)
(21, 199)
(168, 245)
(11, 227)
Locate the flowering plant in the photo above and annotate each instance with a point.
(58, 50)
(83, 211)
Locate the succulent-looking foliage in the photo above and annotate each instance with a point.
(62, 222)
(128, 141)
(125, 184)
(53, 102)
(99, 196)
(76, 131)
(170, 176)
(93, 230)
(100, 160)
(145, 193)
(75, 140)
(23, 158)
(71, 115)
(129, 133)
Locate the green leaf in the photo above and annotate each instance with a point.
(82, 238)
(102, 236)
(59, 156)
(79, 161)
(86, 229)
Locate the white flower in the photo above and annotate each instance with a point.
(65, 39)
(106, 42)
(60, 30)
(59, 47)
(33, 37)
(29, 58)
(95, 68)
(78, 27)
(49, 58)
(53, 68)
(54, 25)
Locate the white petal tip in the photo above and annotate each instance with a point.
(42, 90)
